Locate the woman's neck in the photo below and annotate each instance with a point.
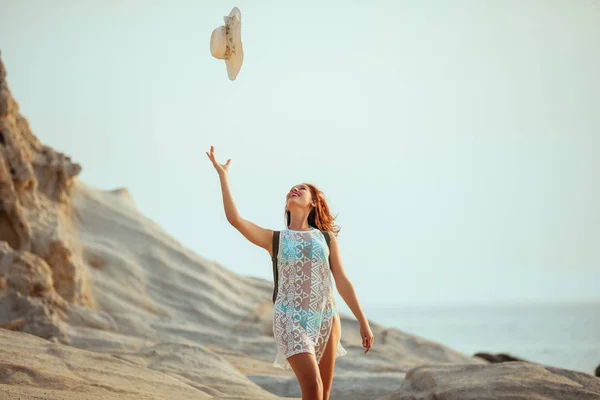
(299, 221)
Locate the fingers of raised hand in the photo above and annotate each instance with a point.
(211, 154)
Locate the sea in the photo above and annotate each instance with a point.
(565, 335)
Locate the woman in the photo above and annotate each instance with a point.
(306, 323)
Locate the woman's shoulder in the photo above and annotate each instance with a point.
(330, 236)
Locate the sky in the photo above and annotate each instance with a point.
(458, 142)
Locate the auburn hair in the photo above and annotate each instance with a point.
(320, 217)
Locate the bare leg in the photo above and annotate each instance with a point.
(327, 363)
(306, 369)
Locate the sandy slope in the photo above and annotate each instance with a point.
(151, 291)
(34, 368)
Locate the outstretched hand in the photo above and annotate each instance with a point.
(222, 169)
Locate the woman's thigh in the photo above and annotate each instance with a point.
(327, 363)
(306, 369)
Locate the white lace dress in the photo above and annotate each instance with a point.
(304, 310)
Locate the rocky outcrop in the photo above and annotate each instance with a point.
(41, 273)
(29, 296)
(498, 358)
(32, 368)
(504, 381)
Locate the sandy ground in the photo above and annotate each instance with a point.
(160, 329)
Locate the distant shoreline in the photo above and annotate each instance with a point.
(479, 304)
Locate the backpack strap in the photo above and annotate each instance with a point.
(327, 238)
(274, 259)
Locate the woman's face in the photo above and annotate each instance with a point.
(299, 197)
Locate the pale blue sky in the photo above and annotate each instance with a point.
(458, 141)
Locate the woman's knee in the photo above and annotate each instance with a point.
(313, 386)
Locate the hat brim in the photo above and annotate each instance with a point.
(234, 24)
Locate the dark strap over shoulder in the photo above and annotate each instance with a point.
(327, 237)
(274, 259)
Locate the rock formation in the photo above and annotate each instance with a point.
(497, 358)
(41, 273)
(503, 381)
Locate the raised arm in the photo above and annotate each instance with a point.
(259, 236)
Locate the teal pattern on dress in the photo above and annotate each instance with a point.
(305, 307)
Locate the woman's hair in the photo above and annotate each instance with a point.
(320, 217)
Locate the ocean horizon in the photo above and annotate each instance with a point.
(559, 334)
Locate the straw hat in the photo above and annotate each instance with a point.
(226, 43)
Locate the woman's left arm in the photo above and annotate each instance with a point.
(346, 290)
